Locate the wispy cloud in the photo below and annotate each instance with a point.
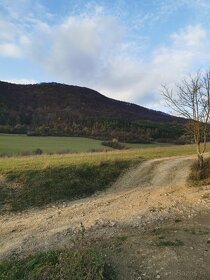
(10, 50)
(21, 81)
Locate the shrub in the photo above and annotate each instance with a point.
(115, 144)
(200, 176)
(38, 151)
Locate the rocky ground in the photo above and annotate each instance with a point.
(150, 223)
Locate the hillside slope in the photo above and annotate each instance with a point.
(59, 109)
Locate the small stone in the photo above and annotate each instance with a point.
(158, 276)
(208, 240)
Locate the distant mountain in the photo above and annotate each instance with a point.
(59, 109)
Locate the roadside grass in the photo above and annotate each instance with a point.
(169, 243)
(200, 177)
(40, 187)
(36, 181)
(81, 263)
(84, 260)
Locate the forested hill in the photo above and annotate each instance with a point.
(59, 109)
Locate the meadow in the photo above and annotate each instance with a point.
(14, 144)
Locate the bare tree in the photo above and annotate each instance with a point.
(191, 100)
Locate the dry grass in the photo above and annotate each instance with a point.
(200, 177)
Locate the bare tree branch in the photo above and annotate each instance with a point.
(191, 100)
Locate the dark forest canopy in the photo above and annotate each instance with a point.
(59, 109)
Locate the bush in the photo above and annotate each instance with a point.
(200, 176)
(183, 140)
(115, 144)
(38, 151)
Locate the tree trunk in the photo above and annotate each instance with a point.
(200, 161)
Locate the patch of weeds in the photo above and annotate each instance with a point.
(72, 264)
(206, 196)
(117, 241)
(169, 243)
(195, 231)
(161, 237)
(5, 197)
(82, 262)
(163, 231)
(122, 238)
(177, 220)
(199, 177)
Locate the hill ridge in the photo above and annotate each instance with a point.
(61, 109)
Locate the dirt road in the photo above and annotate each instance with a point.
(149, 194)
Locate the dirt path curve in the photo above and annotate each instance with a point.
(149, 191)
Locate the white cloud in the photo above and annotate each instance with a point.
(10, 50)
(82, 47)
(8, 30)
(21, 81)
(192, 37)
(141, 81)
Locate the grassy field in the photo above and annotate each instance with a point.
(16, 144)
(13, 144)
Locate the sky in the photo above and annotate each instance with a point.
(124, 49)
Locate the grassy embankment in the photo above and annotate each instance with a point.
(83, 261)
(39, 180)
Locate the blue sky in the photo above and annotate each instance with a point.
(124, 49)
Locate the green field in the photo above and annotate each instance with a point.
(16, 144)
(13, 144)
